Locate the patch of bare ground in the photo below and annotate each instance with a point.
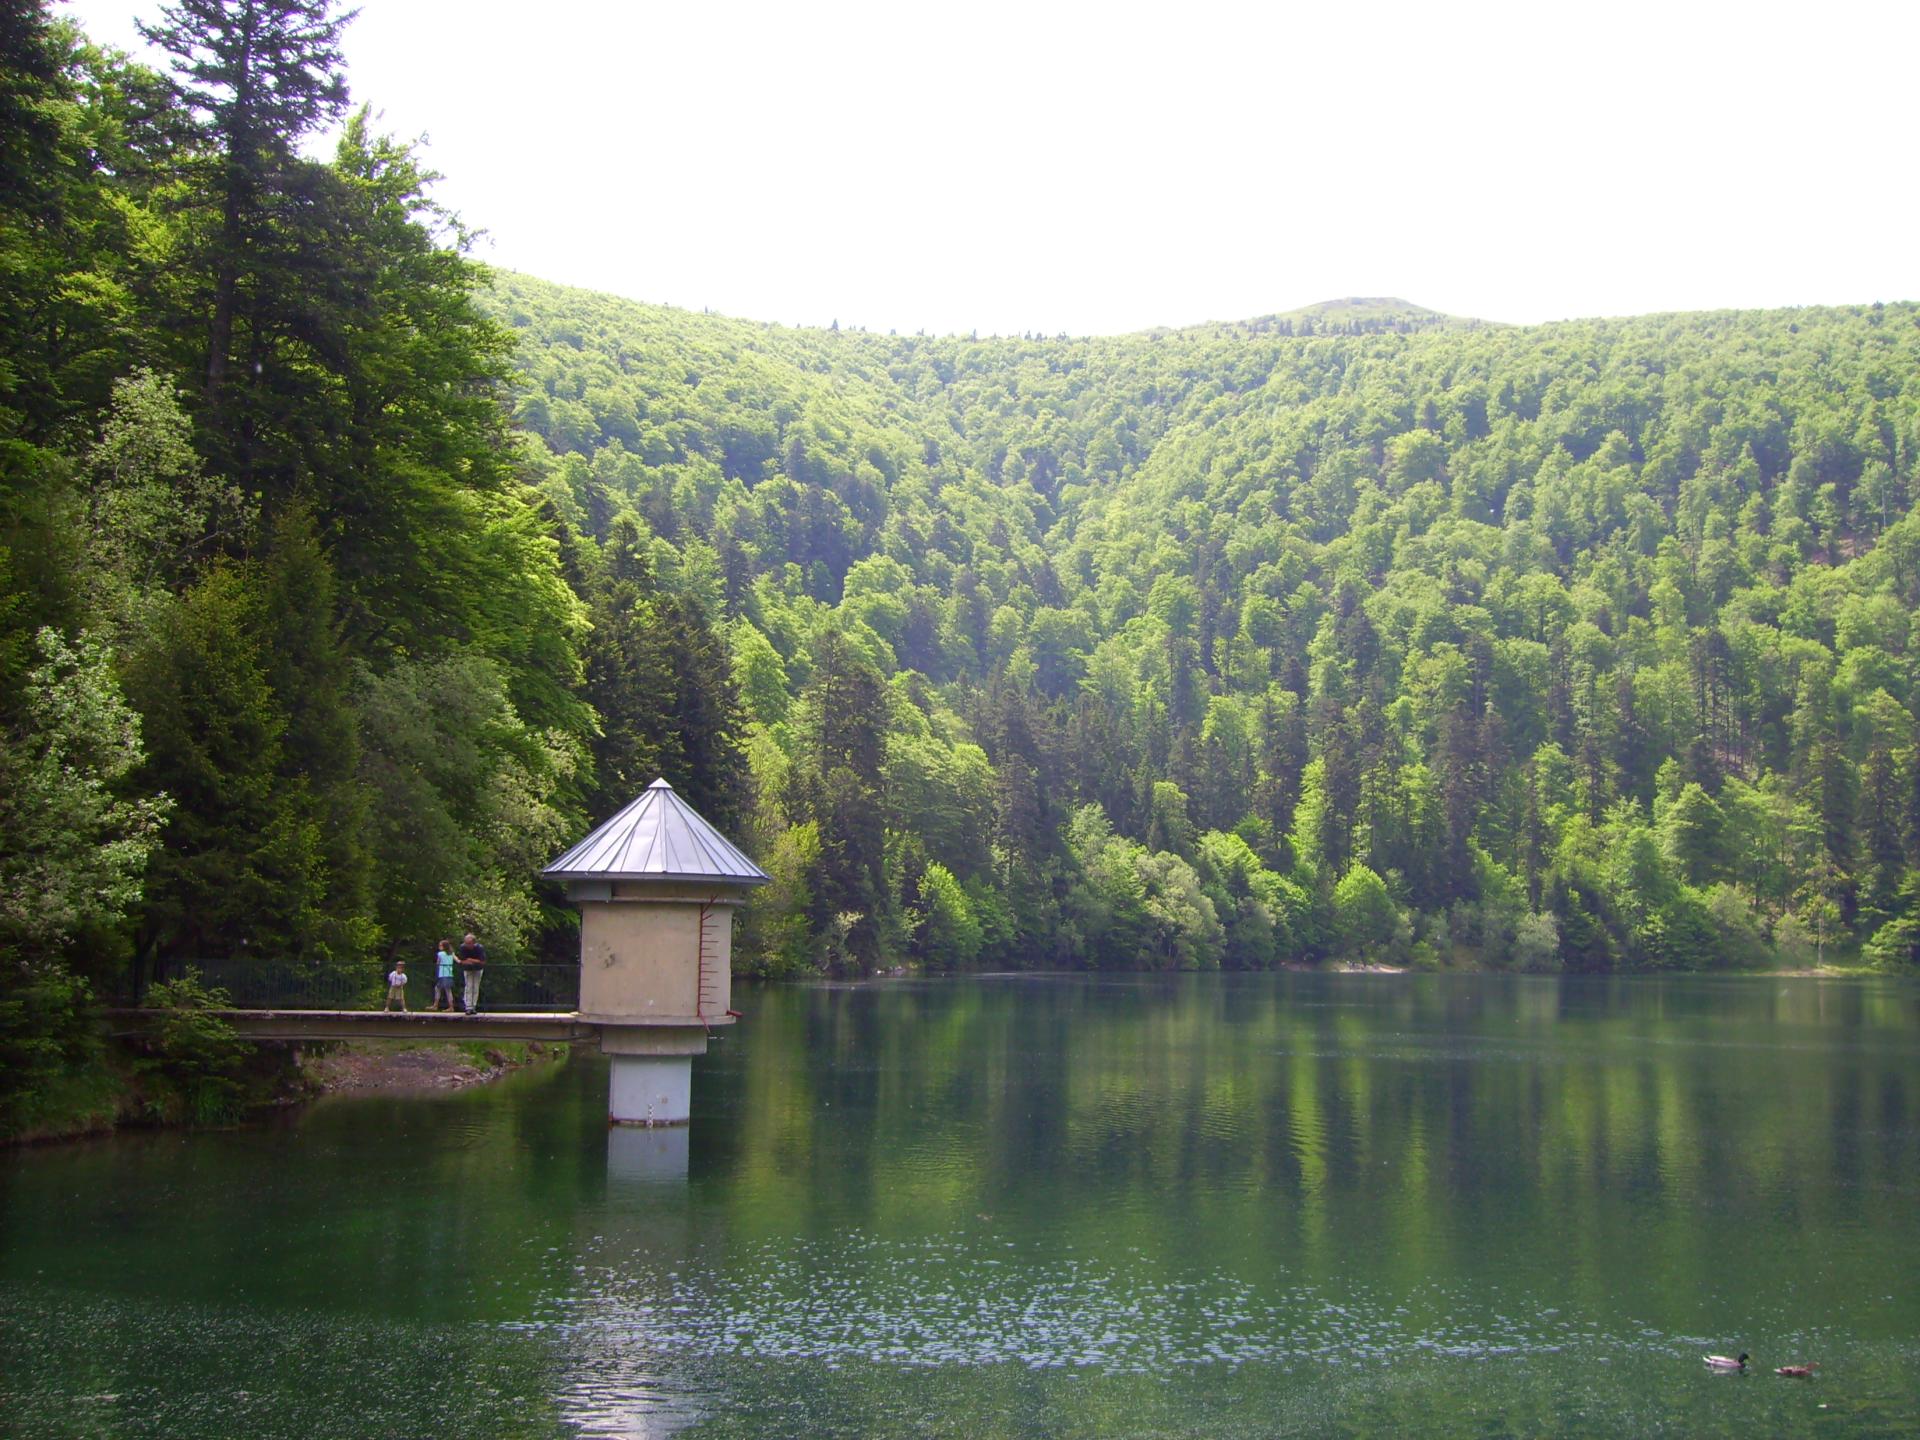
(370, 1067)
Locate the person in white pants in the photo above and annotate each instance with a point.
(473, 963)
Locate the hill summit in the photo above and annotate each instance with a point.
(1348, 315)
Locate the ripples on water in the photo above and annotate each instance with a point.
(931, 1304)
(1063, 1209)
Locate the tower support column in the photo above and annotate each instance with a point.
(650, 1090)
(652, 1073)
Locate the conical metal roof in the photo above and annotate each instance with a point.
(657, 837)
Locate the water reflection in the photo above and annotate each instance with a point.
(1126, 1176)
(646, 1155)
(1219, 1205)
(1222, 1094)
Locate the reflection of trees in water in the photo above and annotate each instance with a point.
(1032, 1205)
(1598, 1135)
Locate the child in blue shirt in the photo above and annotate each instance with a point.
(443, 976)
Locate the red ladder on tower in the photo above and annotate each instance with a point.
(707, 1002)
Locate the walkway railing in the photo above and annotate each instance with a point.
(284, 984)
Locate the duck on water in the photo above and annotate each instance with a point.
(1739, 1363)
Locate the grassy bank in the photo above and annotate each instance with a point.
(63, 1075)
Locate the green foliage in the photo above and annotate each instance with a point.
(1183, 928)
(465, 800)
(1267, 917)
(78, 128)
(948, 935)
(310, 670)
(1106, 910)
(73, 850)
(775, 938)
(195, 1062)
(254, 75)
(252, 433)
(1696, 836)
(1896, 944)
(1134, 907)
(1365, 919)
(154, 516)
(505, 1054)
(49, 1050)
(242, 864)
(1735, 926)
(1536, 943)
(838, 787)
(1406, 595)
(659, 675)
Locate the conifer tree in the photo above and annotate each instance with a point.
(629, 677)
(706, 713)
(258, 75)
(840, 789)
(242, 869)
(311, 675)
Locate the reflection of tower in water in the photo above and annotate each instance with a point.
(639, 1154)
(625, 1370)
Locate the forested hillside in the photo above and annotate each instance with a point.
(341, 584)
(1583, 645)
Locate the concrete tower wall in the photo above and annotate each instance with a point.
(640, 959)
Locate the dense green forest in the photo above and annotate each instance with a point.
(1358, 632)
(342, 583)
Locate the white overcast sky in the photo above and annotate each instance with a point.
(1103, 168)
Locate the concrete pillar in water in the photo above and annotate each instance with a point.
(650, 1090)
(657, 887)
(652, 1073)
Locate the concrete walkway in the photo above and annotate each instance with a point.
(418, 1026)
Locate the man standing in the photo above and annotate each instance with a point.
(473, 962)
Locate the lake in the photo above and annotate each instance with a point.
(1036, 1206)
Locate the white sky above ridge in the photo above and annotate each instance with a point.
(1101, 169)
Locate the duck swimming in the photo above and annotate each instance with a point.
(1799, 1372)
(1727, 1362)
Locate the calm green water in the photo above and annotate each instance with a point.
(1222, 1206)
